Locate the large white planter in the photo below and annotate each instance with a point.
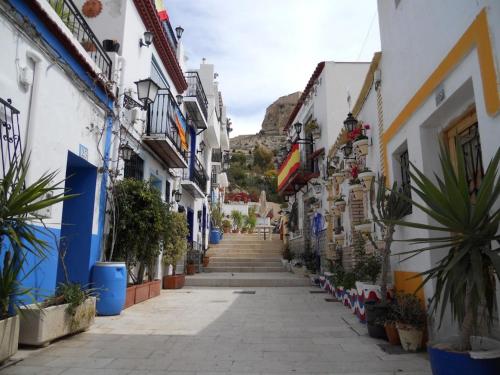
(357, 191)
(366, 179)
(41, 326)
(361, 146)
(364, 228)
(9, 336)
(411, 338)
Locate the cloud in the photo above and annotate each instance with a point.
(265, 49)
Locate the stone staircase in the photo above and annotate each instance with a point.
(246, 260)
(245, 253)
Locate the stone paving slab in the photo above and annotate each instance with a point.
(195, 331)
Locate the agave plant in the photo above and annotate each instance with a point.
(465, 277)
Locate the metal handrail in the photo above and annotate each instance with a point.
(195, 89)
(68, 12)
(162, 119)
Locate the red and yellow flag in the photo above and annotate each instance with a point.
(289, 166)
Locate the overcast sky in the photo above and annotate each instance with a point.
(264, 49)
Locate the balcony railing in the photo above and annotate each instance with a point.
(195, 89)
(10, 135)
(164, 118)
(217, 156)
(171, 38)
(196, 173)
(73, 19)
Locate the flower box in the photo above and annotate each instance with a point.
(9, 337)
(357, 191)
(366, 179)
(130, 296)
(141, 292)
(361, 146)
(364, 228)
(40, 326)
(154, 288)
(174, 281)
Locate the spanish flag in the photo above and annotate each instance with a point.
(162, 12)
(289, 166)
(181, 128)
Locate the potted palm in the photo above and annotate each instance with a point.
(410, 321)
(465, 277)
(174, 248)
(19, 237)
(237, 217)
(226, 226)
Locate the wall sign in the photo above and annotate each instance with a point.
(84, 152)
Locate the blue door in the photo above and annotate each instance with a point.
(190, 220)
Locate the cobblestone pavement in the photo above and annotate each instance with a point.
(214, 330)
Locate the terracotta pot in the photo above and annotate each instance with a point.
(154, 288)
(173, 281)
(88, 45)
(141, 292)
(130, 296)
(92, 8)
(392, 333)
(206, 260)
(235, 230)
(190, 269)
(411, 337)
(227, 230)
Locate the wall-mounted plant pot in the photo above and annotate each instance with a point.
(92, 8)
(174, 281)
(366, 179)
(9, 337)
(40, 326)
(339, 239)
(361, 146)
(364, 228)
(411, 337)
(88, 45)
(339, 177)
(190, 269)
(110, 45)
(357, 191)
(340, 205)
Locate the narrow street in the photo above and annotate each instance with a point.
(215, 330)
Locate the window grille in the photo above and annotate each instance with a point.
(134, 168)
(471, 148)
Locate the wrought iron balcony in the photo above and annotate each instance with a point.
(10, 135)
(73, 19)
(216, 155)
(195, 175)
(196, 100)
(166, 131)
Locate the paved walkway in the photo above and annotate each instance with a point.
(213, 331)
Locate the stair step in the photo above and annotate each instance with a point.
(249, 280)
(245, 264)
(244, 269)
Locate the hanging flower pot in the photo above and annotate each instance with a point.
(339, 177)
(357, 191)
(365, 228)
(339, 239)
(366, 178)
(88, 45)
(361, 146)
(92, 8)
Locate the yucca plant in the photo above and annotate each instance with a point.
(389, 207)
(465, 277)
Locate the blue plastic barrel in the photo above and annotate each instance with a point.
(215, 236)
(110, 280)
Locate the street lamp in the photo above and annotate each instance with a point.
(298, 128)
(201, 147)
(179, 99)
(178, 31)
(347, 149)
(350, 122)
(177, 195)
(148, 39)
(126, 151)
(147, 89)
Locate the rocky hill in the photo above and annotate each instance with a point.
(271, 135)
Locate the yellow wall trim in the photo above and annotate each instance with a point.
(477, 35)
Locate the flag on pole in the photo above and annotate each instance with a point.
(181, 128)
(162, 12)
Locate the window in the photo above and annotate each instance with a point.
(464, 133)
(405, 185)
(168, 195)
(134, 168)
